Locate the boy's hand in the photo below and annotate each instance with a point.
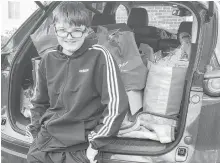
(91, 153)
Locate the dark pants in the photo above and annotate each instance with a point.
(37, 156)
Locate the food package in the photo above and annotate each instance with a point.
(165, 83)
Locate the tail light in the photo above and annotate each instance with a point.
(212, 83)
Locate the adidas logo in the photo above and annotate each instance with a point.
(123, 64)
(83, 70)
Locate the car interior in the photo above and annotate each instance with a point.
(138, 22)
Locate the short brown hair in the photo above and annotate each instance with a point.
(73, 13)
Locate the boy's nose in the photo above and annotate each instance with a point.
(69, 36)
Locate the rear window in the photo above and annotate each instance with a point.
(161, 17)
(121, 14)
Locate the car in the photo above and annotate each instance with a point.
(197, 138)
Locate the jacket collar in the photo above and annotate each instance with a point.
(86, 45)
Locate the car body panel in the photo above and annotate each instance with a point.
(9, 156)
(19, 36)
(207, 149)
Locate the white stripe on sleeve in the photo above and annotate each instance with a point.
(113, 95)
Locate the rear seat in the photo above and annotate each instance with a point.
(107, 21)
(103, 19)
(166, 44)
(185, 27)
(138, 22)
(147, 35)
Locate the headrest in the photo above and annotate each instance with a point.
(165, 44)
(103, 19)
(138, 18)
(185, 27)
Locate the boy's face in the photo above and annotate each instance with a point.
(70, 37)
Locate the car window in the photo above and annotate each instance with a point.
(15, 14)
(121, 14)
(161, 17)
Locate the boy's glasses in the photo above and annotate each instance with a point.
(74, 34)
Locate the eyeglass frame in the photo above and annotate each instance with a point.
(70, 33)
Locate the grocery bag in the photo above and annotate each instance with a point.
(124, 50)
(165, 83)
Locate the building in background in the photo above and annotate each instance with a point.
(14, 13)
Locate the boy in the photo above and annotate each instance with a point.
(80, 98)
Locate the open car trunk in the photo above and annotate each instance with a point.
(24, 79)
